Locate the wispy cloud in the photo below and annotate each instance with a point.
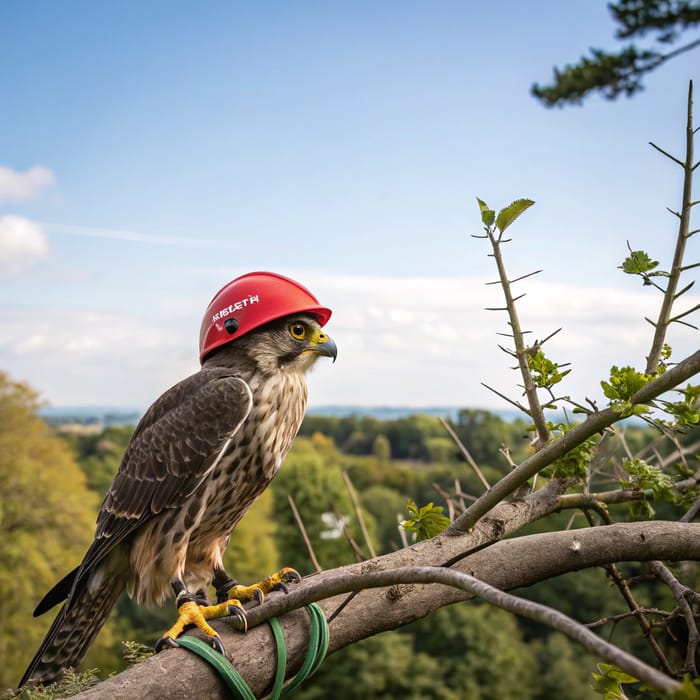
(135, 236)
(22, 242)
(21, 186)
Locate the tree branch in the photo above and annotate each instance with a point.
(670, 296)
(594, 423)
(175, 672)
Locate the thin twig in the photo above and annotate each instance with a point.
(622, 585)
(665, 318)
(680, 593)
(465, 453)
(356, 549)
(614, 619)
(536, 411)
(302, 529)
(358, 513)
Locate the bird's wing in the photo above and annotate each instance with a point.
(174, 447)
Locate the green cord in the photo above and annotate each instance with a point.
(278, 634)
(239, 688)
(318, 646)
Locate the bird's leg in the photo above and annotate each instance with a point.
(228, 590)
(192, 613)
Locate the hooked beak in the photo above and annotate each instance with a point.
(324, 345)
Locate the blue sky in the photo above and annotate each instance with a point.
(150, 151)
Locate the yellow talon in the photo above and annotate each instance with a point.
(190, 613)
(258, 590)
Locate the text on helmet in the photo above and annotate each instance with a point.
(237, 306)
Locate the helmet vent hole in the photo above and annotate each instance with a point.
(231, 325)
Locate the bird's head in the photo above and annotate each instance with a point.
(292, 343)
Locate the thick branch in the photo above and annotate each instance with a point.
(506, 565)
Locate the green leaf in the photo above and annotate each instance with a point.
(624, 382)
(425, 522)
(509, 214)
(488, 216)
(545, 373)
(610, 681)
(575, 462)
(638, 262)
(648, 478)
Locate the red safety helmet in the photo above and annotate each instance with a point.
(250, 301)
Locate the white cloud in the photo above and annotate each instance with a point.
(402, 341)
(17, 186)
(449, 346)
(21, 242)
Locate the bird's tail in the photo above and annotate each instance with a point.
(76, 625)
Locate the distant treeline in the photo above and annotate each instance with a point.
(419, 436)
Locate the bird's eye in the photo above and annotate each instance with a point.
(298, 330)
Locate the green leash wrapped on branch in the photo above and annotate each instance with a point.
(318, 646)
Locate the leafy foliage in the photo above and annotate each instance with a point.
(47, 517)
(610, 680)
(71, 684)
(614, 74)
(506, 216)
(545, 372)
(425, 522)
(638, 262)
(576, 461)
(686, 412)
(647, 477)
(623, 384)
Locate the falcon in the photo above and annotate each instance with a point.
(196, 462)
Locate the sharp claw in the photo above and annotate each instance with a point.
(282, 586)
(291, 576)
(259, 596)
(164, 642)
(237, 611)
(218, 645)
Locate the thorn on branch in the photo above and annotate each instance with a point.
(685, 313)
(507, 351)
(684, 290)
(522, 277)
(549, 337)
(667, 154)
(518, 405)
(684, 323)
